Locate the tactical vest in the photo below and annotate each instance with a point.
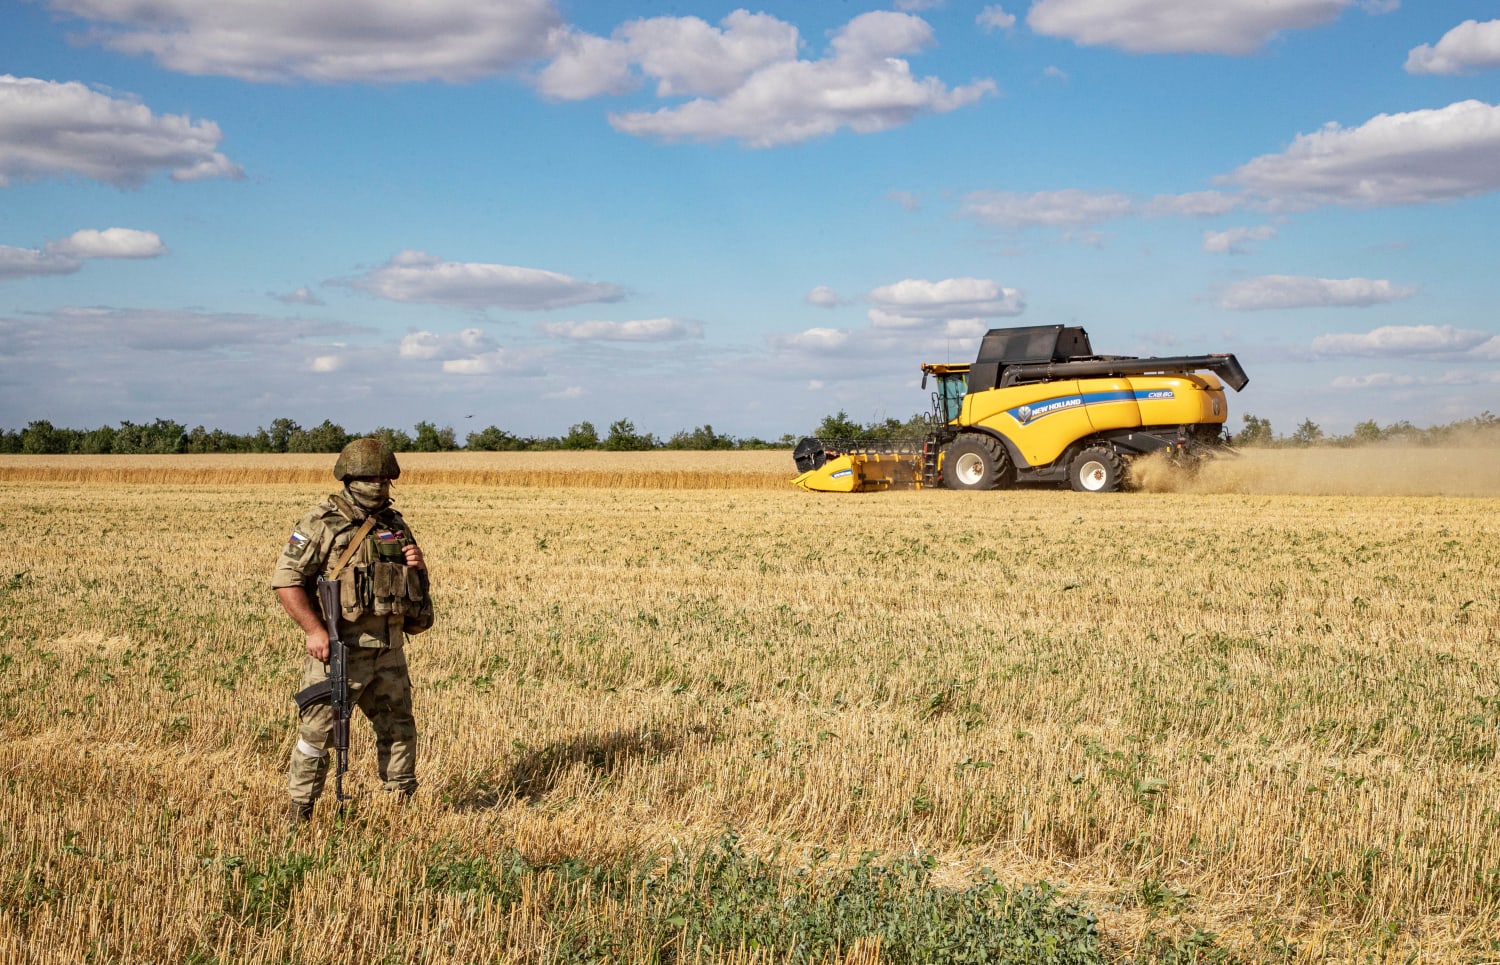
(376, 581)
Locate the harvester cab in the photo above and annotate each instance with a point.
(1038, 406)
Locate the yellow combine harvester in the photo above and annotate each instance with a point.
(1038, 406)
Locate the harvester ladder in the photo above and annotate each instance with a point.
(929, 464)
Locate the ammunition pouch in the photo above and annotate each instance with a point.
(381, 584)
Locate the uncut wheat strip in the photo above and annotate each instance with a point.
(544, 478)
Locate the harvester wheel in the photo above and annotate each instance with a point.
(975, 462)
(1097, 469)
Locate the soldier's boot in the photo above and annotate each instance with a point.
(305, 776)
(299, 813)
(397, 761)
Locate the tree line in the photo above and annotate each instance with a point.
(1257, 432)
(164, 436)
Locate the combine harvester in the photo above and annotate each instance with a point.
(1038, 406)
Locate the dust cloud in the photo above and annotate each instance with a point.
(1472, 471)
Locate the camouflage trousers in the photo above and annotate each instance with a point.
(380, 687)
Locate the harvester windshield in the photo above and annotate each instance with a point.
(953, 385)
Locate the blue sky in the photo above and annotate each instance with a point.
(533, 213)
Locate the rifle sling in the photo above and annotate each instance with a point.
(353, 547)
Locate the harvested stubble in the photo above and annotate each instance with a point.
(1271, 718)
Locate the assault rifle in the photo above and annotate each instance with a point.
(335, 690)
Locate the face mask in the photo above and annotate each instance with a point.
(369, 496)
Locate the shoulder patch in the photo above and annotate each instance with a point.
(296, 545)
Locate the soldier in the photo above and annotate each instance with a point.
(383, 584)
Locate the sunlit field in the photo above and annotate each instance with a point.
(676, 710)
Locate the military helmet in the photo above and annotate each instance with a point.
(366, 458)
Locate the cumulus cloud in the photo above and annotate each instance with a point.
(50, 129)
(1234, 241)
(685, 56)
(747, 83)
(1295, 291)
(466, 352)
(994, 17)
(416, 276)
(488, 363)
(639, 330)
(1404, 341)
(431, 345)
(111, 243)
(65, 256)
(1466, 48)
(1392, 159)
(374, 41)
(813, 341)
(918, 303)
(1179, 26)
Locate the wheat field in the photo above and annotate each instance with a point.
(1240, 717)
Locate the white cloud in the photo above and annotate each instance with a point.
(1295, 291)
(431, 345)
(34, 262)
(823, 297)
(1194, 204)
(685, 56)
(1376, 380)
(862, 84)
(1234, 240)
(994, 17)
(1402, 380)
(374, 41)
(815, 341)
(67, 255)
(917, 303)
(571, 392)
(1392, 159)
(1179, 26)
(639, 330)
(50, 129)
(1064, 208)
(466, 352)
(1403, 341)
(1468, 47)
(326, 363)
(416, 276)
(488, 363)
(1054, 73)
(302, 296)
(111, 243)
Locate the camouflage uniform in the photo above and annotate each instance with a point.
(381, 606)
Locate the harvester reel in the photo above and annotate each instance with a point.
(1097, 469)
(975, 461)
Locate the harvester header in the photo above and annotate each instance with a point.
(1038, 406)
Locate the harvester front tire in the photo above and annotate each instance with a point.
(1097, 469)
(975, 462)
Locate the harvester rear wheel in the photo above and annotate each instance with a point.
(975, 462)
(1097, 469)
